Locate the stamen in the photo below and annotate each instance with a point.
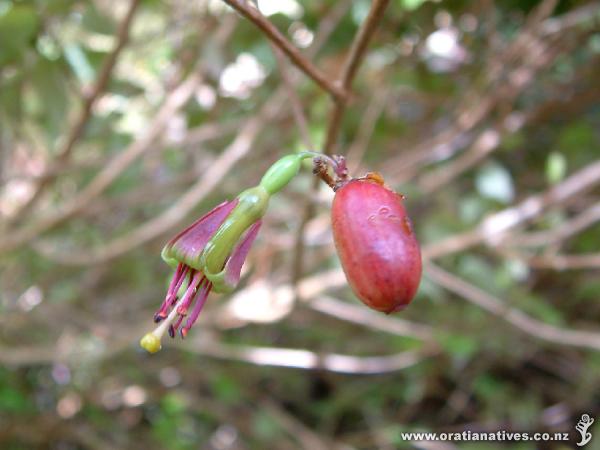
(151, 341)
(173, 328)
(187, 299)
(180, 277)
(171, 297)
(200, 301)
(190, 293)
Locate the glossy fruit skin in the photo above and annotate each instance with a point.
(376, 244)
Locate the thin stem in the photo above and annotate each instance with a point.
(303, 63)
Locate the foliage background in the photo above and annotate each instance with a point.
(484, 114)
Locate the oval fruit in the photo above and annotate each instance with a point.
(376, 244)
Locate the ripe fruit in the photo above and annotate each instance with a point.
(376, 243)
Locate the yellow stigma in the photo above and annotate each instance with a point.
(151, 343)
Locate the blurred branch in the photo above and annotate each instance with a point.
(514, 316)
(309, 360)
(359, 315)
(251, 13)
(160, 224)
(493, 230)
(89, 100)
(175, 100)
(577, 224)
(487, 141)
(508, 72)
(559, 262)
(582, 15)
(328, 24)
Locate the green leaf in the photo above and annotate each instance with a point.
(18, 27)
(13, 401)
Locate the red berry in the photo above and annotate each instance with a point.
(376, 244)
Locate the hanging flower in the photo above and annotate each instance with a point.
(209, 254)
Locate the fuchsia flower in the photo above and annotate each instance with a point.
(188, 247)
(209, 254)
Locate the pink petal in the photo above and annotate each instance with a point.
(189, 244)
(190, 294)
(233, 267)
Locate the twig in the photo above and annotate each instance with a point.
(579, 223)
(514, 316)
(309, 360)
(304, 64)
(494, 228)
(89, 99)
(359, 315)
(560, 262)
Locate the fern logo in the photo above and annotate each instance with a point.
(582, 426)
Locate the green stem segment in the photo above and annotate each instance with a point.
(282, 172)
